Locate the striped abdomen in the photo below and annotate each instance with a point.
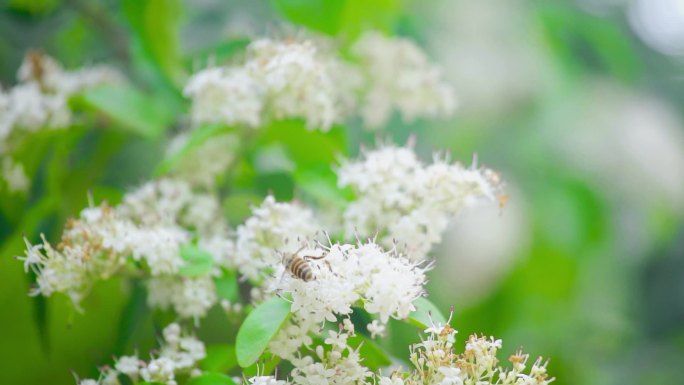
(300, 268)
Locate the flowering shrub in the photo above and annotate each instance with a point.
(312, 282)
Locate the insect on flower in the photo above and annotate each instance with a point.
(300, 266)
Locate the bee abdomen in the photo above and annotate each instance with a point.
(301, 269)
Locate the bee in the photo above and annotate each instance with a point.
(299, 266)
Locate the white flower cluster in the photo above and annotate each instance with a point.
(436, 363)
(278, 79)
(340, 365)
(205, 163)
(39, 101)
(179, 354)
(303, 79)
(384, 283)
(400, 198)
(149, 227)
(272, 226)
(399, 76)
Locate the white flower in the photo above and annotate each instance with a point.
(226, 95)
(128, 365)
(39, 101)
(405, 201)
(205, 163)
(189, 297)
(160, 370)
(272, 226)
(279, 80)
(399, 76)
(384, 283)
(375, 328)
(266, 380)
(88, 381)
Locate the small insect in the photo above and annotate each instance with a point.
(36, 60)
(299, 266)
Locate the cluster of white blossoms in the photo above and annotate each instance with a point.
(149, 229)
(39, 100)
(179, 355)
(436, 362)
(401, 199)
(399, 76)
(306, 79)
(384, 283)
(278, 80)
(203, 165)
(272, 226)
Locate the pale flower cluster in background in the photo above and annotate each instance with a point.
(39, 101)
(306, 79)
(399, 76)
(179, 355)
(385, 283)
(403, 200)
(204, 164)
(278, 80)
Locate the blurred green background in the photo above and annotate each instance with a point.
(579, 104)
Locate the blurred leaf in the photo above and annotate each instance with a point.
(156, 24)
(129, 107)
(227, 286)
(197, 261)
(220, 358)
(583, 41)
(320, 183)
(218, 54)
(305, 147)
(131, 316)
(238, 206)
(33, 6)
(259, 328)
(374, 357)
(319, 15)
(426, 313)
(362, 15)
(211, 379)
(278, 184)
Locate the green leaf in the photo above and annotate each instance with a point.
(238, 206)
(265, 367)
(425, 310)
(373, 356)
(155, 24)
(220, 358)
(211, 379)
(197, 261)
(305, 147)
(227, 286)
(129, 107)
(217, 54)
(259, 328)
(131, 317)
(318, 15)
(197, 137)
(320, 183)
